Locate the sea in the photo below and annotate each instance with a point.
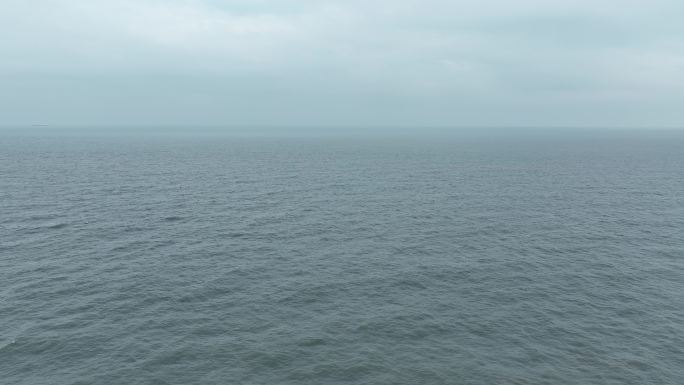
(547, 257)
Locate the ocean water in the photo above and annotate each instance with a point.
(218, 260)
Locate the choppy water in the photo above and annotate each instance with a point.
(331, 261)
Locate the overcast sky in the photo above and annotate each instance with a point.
(343, 63)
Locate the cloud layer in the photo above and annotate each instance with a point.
(401, 62)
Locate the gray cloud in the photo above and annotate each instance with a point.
(410, 62)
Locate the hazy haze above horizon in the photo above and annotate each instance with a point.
(357, 63)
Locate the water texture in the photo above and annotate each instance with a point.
(554, 260)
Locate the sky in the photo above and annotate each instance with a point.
(389, 63)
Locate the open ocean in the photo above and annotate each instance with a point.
(552, 259)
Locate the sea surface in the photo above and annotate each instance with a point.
(500, 259)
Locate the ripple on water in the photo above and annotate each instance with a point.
(367, 262)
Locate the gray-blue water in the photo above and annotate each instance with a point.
(474, 260)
